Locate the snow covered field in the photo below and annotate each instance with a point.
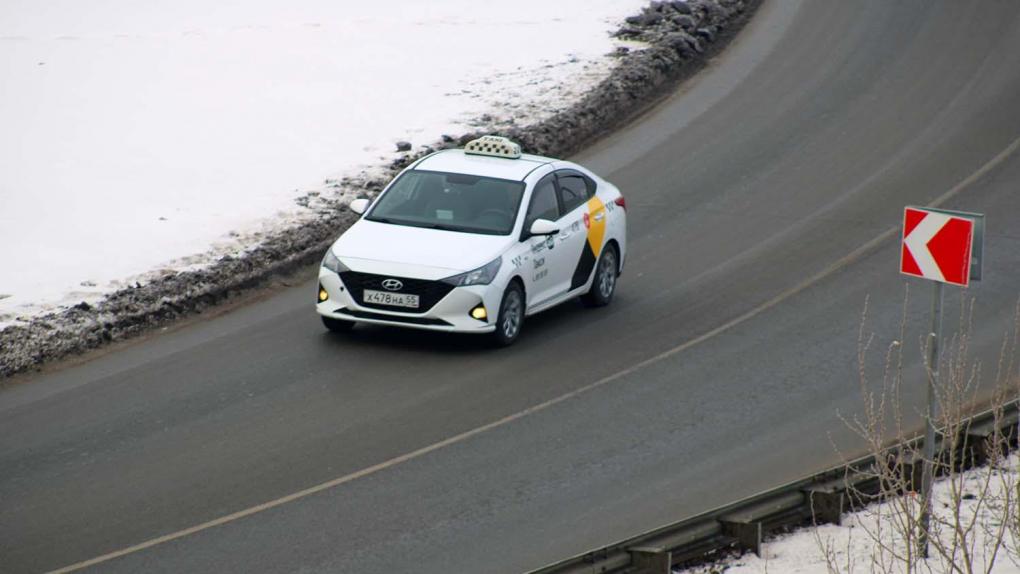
(854, 550)
(146, 135)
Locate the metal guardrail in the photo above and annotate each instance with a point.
(741, 526)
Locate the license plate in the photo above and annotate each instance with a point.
(393, 299)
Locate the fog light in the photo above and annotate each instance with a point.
(479, 313)
(322, 294)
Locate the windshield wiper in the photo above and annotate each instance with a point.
(442, 227)
(398, 222)
(439, 226)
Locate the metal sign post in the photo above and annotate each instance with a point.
(927, 471)
(945, 247)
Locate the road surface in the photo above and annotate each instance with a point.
(761, 198)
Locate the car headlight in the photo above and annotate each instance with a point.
(481, 276)
(332, 262)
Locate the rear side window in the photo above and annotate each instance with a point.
(543, 203)
(574, 190)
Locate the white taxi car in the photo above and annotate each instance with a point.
(474, 240)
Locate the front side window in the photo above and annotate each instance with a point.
(450, 201)
(543, 203)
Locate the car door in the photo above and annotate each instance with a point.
(536, 263)
(579, 240)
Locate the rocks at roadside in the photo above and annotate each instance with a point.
(679, 34)
(659, 20)
(683, 43)
(708, 34)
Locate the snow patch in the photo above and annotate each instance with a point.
(148, 138)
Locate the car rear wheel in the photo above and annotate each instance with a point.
(511, 316)
(337, 325)
(604, 285)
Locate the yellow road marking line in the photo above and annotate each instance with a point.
(839, 264)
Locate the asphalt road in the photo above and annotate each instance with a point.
(755, 197)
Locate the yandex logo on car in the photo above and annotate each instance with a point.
(937, 245)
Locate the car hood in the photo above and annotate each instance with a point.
(367, 244)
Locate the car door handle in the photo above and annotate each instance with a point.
(599, 216)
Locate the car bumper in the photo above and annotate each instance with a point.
(450, 314)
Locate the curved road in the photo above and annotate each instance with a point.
(760, 197)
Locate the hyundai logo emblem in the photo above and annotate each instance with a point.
(392, 284)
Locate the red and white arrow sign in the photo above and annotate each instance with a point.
(936, 245)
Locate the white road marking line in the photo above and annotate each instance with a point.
(839, 264)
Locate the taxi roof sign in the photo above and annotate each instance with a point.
(495, 146)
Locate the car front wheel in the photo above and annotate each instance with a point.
(511, 316)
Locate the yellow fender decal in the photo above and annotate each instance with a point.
(595, 221)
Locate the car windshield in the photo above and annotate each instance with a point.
(450, 201)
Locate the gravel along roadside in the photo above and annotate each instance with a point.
(674, 40)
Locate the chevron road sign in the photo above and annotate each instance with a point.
(945, 247)
(942, 245)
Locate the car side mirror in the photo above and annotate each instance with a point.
(359, 206)
(543, 227)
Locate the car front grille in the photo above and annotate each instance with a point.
(429, 292)
(394, 318)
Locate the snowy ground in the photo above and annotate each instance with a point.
(145, 135)
(853, 548)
